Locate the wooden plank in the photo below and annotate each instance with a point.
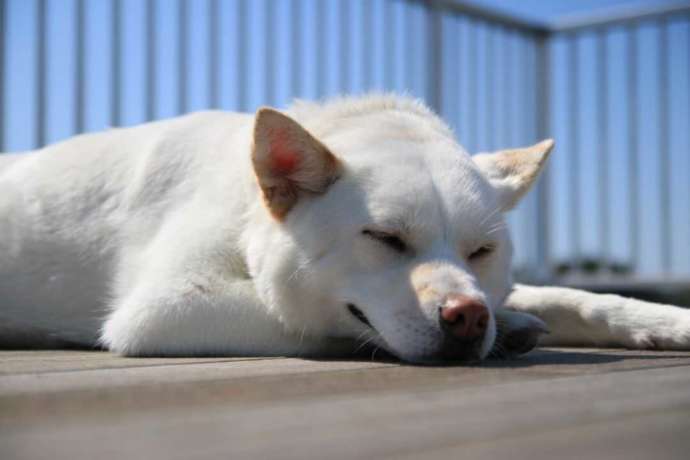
(559, 360)
(45, 361)
(161, 373)
(523, 418)
(90, 389)
(650, 436)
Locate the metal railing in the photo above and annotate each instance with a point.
(79, 65)
(629, 52)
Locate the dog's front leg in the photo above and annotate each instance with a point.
(580, 318)
(192, 319)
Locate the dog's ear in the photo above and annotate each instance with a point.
(288, 161)
(516, 333)
(512, 172)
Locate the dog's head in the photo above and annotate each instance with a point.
(385, 231)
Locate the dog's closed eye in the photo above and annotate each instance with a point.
(388, 239)
(481, 252)
(359, 314)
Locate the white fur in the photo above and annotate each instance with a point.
(581, 318)
(156, 240)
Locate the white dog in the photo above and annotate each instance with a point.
(306, 233)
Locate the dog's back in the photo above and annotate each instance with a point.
(8, 159)
(66, 210)
(46, 198)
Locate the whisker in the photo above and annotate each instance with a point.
(363, 344)
(496, 229)
(299, 269)
(373, 353)
(364, 332)
(489, 216)
(301, 336)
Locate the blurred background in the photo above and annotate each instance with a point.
(608, 79)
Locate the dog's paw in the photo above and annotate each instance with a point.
(118, 338)
(128, 333)
(662, 335)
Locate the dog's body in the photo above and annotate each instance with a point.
(361, 222)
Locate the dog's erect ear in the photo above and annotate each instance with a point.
(289, 161)
(512, 172)
(516, 333)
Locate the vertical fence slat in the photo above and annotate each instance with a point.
(574, 145)
(270, 53)
(3, 44)
(603, 130)
(296, 15)
(389, 37)
(490, 79)
(507, 57)
(456, 76)
(631, 90)
(344, 46)
(321, 55)
(542, 113)
(79, 67)
(41, 69)
(435, 57)
(366, 44)
(664, 133)
(473, 70)
(213, 19)
(526, 88)
(527, 247)
(115, 63)
(183, 40)
(241, 44)
(151, 45)
(455, 96)
(409, 46)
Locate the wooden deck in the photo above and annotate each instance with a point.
(552, 404)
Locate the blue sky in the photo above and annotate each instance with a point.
(488, 101)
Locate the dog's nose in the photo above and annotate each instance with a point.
(464, 317)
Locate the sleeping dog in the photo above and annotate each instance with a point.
(315, 231)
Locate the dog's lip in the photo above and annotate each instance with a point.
(359, 314)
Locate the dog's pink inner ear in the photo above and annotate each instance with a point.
(289, 162)
(284, 160)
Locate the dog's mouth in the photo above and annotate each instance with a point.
(359, 314)
(454, 351)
